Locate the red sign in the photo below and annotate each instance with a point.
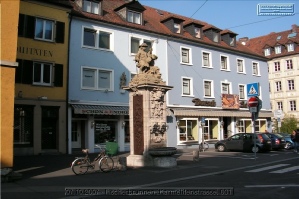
(253, 102)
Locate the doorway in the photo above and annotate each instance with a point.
(76, 134)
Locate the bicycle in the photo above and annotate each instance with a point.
(82, 164)
(203, 146)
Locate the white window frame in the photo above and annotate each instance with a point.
(189, 50)
(44, 23)
(190, 86)
(134, 17)
(278, 86)
(41, 74)
(277, 66)
(96, 79)
(229, 87)
(291, 84)
(255, 71)
(289, 64)
(243, 86)
(267, 51)
(279, 105)
(91, 7)
(141, 40)
(290, 47)
(209, 59)
(227, 65)
(243, 66)
(292, 105)
(211, 88)
(277, 49)
(97, 33)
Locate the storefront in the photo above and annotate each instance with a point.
(91, 126)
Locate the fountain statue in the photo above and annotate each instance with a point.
(148, 125)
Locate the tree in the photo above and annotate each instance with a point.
(288, 124)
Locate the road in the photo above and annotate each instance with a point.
(266, 175)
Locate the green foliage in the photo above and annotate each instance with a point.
(288, 124)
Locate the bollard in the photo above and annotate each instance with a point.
(196, 155)
(123, 163)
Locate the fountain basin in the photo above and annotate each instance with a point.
(162, 157)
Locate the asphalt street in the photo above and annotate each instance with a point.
(50, 176)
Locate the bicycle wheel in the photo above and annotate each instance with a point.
(106, 164)
(80, 166)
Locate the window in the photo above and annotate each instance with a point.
(224, 63)
(278, 86)
(197, 32)
(208, 88)
(97, 39)
(215, 37)
(241, 92)
(225, 88)
(97, 79)
(232, 41)
(44, 29)
(289, 64)
(267, 51)
(291, 85)
(23, 125)
(177, 28)
(42, 74)
(187, 86)
(277, 49)
(134, 17)
(279, 106)
(255, 68)
(290, 47)
(277, 66)
(293, 105)
(185, 55)
(240, 65)
(206, 57)
(91, 6)
(188, 130)
(135, 42)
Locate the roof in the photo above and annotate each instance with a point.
(153, 19)
(258, 44)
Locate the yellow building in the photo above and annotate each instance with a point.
(40, 121)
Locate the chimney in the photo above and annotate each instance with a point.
(294, 28)
(243, 40)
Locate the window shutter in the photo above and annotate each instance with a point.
(27, 73)
(58, 75)
(19, 70)
(60, 32)
(21, 25)
(29, 27)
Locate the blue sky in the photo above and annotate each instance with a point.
(239, 16)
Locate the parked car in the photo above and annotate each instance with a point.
(289, 142)
(245, 142)
(278, 141)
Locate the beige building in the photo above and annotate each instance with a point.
(282, 49)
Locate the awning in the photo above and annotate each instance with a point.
(218, 113)
(100, 110)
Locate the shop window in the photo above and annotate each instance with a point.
(23, 126)
(188, 130)
(105, 131)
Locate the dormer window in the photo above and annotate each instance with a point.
(267, 51)
(197, 32)
(277, 49)
(290, 47)
(134, 17)
(177, 28)
(91, 6)
(232, 41)
(215, 36)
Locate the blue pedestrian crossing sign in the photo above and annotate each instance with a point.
(253, 89)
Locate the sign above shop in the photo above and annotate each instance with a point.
(230, 101)
(100, 110)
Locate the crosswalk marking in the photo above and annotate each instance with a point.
(267, 168)
(286, 169)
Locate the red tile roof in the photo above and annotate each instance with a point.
(152, 18)
(258, 44)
